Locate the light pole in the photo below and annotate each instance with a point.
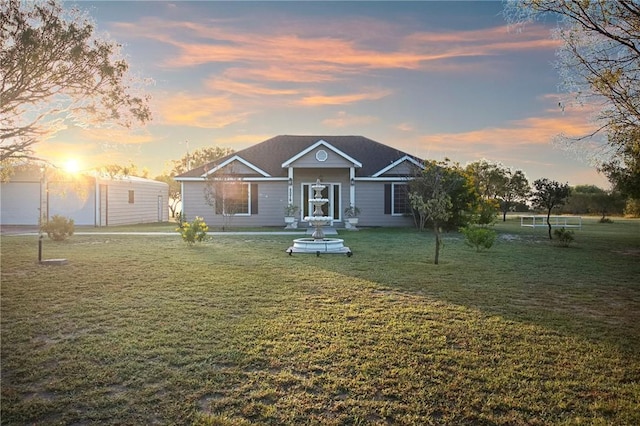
(43, 171)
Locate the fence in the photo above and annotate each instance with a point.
(534, 221)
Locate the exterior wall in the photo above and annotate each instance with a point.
(272, 199)
(326, 175)
(309, 160)
(74, 200)
(403, 169)
(19, 202)
(370, 201)
(145, 207)
(236, 167)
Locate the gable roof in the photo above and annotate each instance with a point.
(271, 155)
(324, 144)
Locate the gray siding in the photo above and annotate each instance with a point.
(272, 199)
(370, 201)
(309, 160)
(403, 169)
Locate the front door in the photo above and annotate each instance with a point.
(330, 192)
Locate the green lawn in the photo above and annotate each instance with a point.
(146, 330)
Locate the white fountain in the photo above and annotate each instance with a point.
(318, 243)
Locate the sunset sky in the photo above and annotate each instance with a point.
(435, 79)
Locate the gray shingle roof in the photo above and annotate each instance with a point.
(270, 154)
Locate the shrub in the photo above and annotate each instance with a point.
(605, 220)
(194, 232)
(564, 237)
(478, 237)
(58, 228)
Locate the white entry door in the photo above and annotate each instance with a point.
(330, 192)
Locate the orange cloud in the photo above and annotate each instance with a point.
(309, 57)
(199, 111)
(315, 100)
(246, 89)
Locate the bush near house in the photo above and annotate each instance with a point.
(194, 232)
(58, 228)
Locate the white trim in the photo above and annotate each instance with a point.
(398, 162)
(241, 160)
(384, 179)
(352, 188)
(290, 186)
(393, 198)
(321, 142)
(243, 179)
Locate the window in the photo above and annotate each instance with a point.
(400, 196)
(396, 199)
(236, 198)
(232, 198)
(131, 197)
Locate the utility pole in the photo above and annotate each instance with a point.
(188, 156)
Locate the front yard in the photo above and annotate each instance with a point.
(145, 330)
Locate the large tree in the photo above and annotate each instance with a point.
(494, 181)
(599, 63)
(55, 71)
(197, 158)
(549, 194)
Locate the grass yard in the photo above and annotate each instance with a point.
(146, 330)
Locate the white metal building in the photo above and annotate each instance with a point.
(88, 200)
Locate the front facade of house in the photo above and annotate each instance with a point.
(252, 187)
(88, 200)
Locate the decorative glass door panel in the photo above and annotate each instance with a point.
(331, 192)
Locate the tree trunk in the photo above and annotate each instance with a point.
(504, 216)
(437, 234)
(549, 223)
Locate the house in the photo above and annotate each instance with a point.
(252, 187)
(88, 200)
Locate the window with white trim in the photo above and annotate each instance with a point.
(236, 199)
(400, 199)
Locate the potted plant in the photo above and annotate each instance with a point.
(290, 216)
(351, 213)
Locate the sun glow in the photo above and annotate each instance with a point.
(72, 165)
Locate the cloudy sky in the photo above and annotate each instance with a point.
(435, 79)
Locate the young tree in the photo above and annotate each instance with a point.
(599, 63)
(549, 194)
(54, 70)
(438, 194)
(226, 194)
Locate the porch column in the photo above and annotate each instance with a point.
(290, 186)
(352, 186)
